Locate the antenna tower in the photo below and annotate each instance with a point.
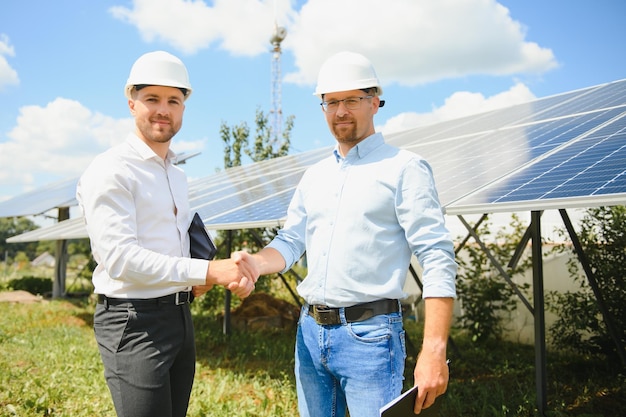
(277, 112)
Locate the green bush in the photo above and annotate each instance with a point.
(33, 285)
(581, 325)
(487, 300)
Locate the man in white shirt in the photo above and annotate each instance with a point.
(136, 209)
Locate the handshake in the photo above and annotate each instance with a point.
(238, 274)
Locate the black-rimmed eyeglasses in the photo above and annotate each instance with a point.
(351, 103)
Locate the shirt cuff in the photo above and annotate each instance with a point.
(197, 271)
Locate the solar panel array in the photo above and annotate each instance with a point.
(255, 195)
(562, 151)
(589, 171)
(570, 154)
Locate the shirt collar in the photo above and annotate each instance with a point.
(362, 148)
(144, 150)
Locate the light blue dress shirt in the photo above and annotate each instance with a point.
(360, 218)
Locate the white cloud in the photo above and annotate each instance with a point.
(411, 42)
(190, 146)
(242, 27)
(459, 104)
(58, 140)
(8, 76)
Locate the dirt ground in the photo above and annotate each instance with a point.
(19, 297)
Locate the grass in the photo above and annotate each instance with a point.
(50, 366)
(49, 362)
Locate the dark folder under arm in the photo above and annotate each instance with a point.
(201, 244)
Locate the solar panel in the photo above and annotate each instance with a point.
(42, 200)
(589, 169)
(255, 195)
(54, 195)
(66, 229)
(561, 151)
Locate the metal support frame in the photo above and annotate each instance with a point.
(60, 263)
(496, 264)
(537, 309)
(533, 233)
(539, 313)
(228, 294)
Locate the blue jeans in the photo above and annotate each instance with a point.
(358, 366)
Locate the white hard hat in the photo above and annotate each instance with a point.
(346, 71)
(158, 68)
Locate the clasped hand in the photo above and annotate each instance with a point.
(238, 274)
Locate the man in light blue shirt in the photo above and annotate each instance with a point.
(360, 215)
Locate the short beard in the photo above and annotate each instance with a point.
(346, 135)
(158, 136)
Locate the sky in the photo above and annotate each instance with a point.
(64, 63)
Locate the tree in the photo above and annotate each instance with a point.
(266, 146)
(235, 140)
(580, 325)
(13, 226)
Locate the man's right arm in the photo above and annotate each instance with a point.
(268, 260)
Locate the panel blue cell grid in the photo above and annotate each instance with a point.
(587, 171)
(255, 195)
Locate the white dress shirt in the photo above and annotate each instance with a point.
(136, 210)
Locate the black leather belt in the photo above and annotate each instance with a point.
(178, 298)
(328, 315)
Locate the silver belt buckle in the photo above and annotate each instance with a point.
(178, 301)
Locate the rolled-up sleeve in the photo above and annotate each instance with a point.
(421, 216)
